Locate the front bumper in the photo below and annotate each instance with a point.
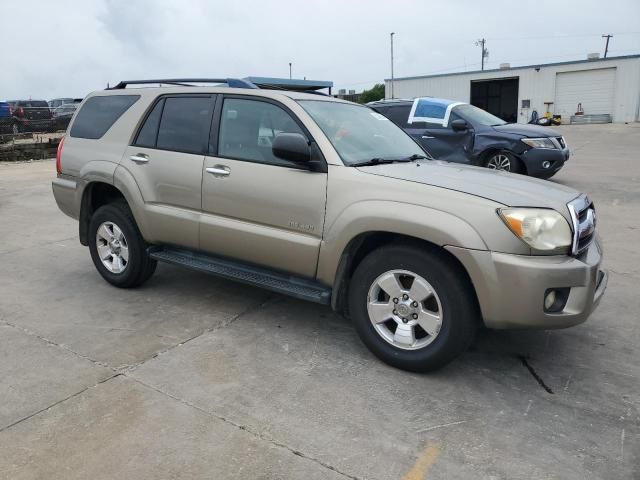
(535, 158)
(511, 288)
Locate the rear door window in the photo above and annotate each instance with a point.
(99, 113)
(184, 124)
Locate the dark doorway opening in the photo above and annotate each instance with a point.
(499, 97)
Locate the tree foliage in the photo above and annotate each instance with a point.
(374, 93)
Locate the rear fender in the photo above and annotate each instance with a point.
(124, 181)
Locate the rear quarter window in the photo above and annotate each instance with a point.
(99, 113)
(398, 114)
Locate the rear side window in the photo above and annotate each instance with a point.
(184, 124)
(98, 114)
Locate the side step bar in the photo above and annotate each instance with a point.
(298, 287)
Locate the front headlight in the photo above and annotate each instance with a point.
(539, 142)
(540, 228)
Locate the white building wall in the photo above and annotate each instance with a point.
(537, 86)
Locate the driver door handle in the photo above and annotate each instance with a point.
(219, 171)
(427, 136)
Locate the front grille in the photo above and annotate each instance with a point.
(561, 142)
(583, 215)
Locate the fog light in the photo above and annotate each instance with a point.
(546, 164)
(549, 299)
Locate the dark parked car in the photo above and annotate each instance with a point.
(30, 116)
(5, 118)
(459, 132)
(63, 114)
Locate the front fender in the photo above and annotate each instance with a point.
(435, 226)
(488, 142)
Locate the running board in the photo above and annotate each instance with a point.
(297, 287)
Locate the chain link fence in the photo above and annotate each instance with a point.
(32, 129)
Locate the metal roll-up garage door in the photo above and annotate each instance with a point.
(594, 89)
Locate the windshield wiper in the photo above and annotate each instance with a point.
(381, 161)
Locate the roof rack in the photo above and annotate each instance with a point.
(186, 82)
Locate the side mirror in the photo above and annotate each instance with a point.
(459, 125)
(291, 146)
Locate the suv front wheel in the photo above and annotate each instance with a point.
(413, 308)
(504, 160)
(117, 249)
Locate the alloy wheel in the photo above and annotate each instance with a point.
(499, 161)
(112, 247)
(404, 309)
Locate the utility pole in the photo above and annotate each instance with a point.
(391, 35)
(485, 52)
(606, 47)
(289, 70)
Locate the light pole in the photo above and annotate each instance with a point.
(289, 70)
(391, 35)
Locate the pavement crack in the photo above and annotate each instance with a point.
(59, 345)
(442, 425)
(535, 374)
(245, 428)
(42, 410)
(220, 326)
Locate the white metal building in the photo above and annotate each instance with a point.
(599, 86)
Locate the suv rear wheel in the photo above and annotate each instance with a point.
(413, 308)
(117, 249)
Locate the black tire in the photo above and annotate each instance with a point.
(139, 266)
(515, 164)
(460, 314)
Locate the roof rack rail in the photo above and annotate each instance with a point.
(186, 82)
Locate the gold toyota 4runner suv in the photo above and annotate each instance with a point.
(327, 201)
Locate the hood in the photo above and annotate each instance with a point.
(526, 130)
(509, 189)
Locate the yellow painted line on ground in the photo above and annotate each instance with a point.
(423, 463)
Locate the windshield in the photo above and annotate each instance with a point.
(358, 133)
(477, 115)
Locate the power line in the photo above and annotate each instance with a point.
(559, 35)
